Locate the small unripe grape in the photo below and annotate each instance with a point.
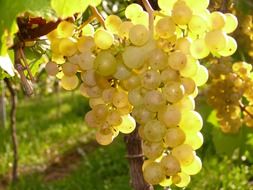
(69, 82)
(103, 39)
(51, 68)
(139, 35)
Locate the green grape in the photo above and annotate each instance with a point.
(151, 79)
(194, 167)
(169, 115)
(133, 10)
(105, 64)
(177, 60)
(152, 150)
(216, 40)
(103, 39)
(86, 61)
(112, 23)
(67, 47)
(69, 82)
(139, 35)
(201, 76)
(157, 59)
(195, 140)
(174, 137)
(142, 18)
(86, 44)
(165, 27)
(154, 100)
(197, 6)
(65, 29)
(181, 13)
(154, 131)
(218, 20)
(135, 97)
(166, 5)
(191, 121)
(199, 49)
(189, 85)
(122, 71)
(191, 67)
(182, 181)
(114, 118)
(170, 165)
(104, 136)
(230, 48)
(51, 68)
(184, 154)
(69, 69)
(173, 91)
(153, 173)
(198, 24)
(231, 23)
(88, 30)
(127, 125)
(183, 44)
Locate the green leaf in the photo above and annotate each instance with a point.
(66, 8)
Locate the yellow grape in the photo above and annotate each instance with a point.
(198, 24)
(230, 48)
(166, 5)
(151, 79)
(69, 82)
(86, 61)
(114, 118)
(120, 99)
(154, 131)
(218, 20)
(170, 165)
(127, 125)
(195, 140)
(51, 68)
(132, 82)
(197, 6)
(191, 121)
(169, 74)
(157, 59)
(95, 3)
(199, 49)
(216, 40)
(124, 28)
(133, 57)
(174, 137)
(105, 63)
(182, 179)
(194, 167)
(183, 44)
(112, 23)
(135, 97)
(67, 47)
(69, 69)
(173, 91)
(191, 67)
(201, 76)
(154, 100)
(100, 111)
(177, 60)
(103, 39)
(184, 153)
(105, 136)
(189, 85)
(187, 103)
(231, 23)
(181, 13)
(86, 43)
(95, 101)
(165, 27)
(142, 19)
(153, 173)
(122, 71)
(133, 10)
(65, 29)
(170, 115)
(88, 30)
(139, 35)
(142, 115)
(152, 150)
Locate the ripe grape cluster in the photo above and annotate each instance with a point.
(146, 71)
(230, 93)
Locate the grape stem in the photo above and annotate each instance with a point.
(223, 7)
(26, 64)
(243, 108)
(150, 11)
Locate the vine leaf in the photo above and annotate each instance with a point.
(66, 8)
(6, 64)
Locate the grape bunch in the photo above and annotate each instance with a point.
(146, 70)
(230, 93)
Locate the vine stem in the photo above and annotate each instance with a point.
(150, 11)
(243, 108)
